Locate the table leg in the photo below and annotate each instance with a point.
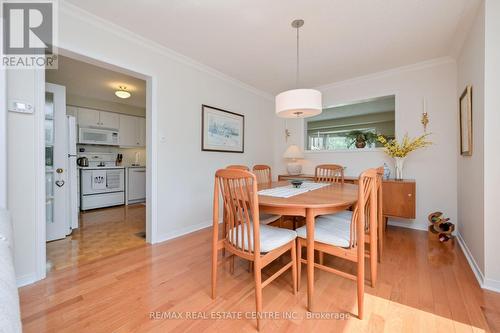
(310, 258)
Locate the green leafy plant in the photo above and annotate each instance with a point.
(360, 138)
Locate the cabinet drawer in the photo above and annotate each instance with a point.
(399, 199)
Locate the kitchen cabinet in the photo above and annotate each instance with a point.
(71, 111)
(132, 131)
(95, 118)
(142, 132)
(136, 185)
(109, 119)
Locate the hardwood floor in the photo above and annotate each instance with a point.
(102, 232)
(422, 287)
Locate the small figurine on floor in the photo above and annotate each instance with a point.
(441, 227)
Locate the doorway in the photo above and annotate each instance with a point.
(97, 189)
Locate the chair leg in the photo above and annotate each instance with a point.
(321, 256)
(231, 265)
(258, 291)
(361, 286)
(250, 266)
(294, 266)
(214, 268)
(380, 241)
(373, 264)
(299, 261)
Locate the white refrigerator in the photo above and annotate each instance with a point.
(72, 198)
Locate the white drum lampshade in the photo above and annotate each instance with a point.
(298, 103)
(293, 153)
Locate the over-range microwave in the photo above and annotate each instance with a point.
(98, 136)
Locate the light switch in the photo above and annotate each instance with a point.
(20, 106)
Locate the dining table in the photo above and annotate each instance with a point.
(329, 199)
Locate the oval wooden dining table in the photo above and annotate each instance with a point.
(325, 200)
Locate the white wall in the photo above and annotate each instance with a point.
(470, 178)
(3, 139)
(21, 159)
(491, 150)
(185, 173)
(433, 168)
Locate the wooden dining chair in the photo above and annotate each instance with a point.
(374, 236)
(329, 173)
(346, 239)
(238, 167)
(263, 173)
(244, 236)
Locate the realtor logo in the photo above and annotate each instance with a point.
(28, 34)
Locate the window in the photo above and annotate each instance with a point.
(351, 126)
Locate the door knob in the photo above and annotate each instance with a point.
(59, 170)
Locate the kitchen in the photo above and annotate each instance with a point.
(95, 163)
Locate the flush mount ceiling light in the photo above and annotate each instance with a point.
(122, 92)
(298, 103)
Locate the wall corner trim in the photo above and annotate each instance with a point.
(389, 72)
(122, 32)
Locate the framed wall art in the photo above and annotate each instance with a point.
(465, 116)
(221, 130)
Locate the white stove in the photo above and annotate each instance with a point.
(102, 183)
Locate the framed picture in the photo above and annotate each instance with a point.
(221, 130)
(465, 115)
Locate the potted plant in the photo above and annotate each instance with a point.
(360, 138)
(399, 150)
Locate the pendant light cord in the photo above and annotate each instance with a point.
(297, 69)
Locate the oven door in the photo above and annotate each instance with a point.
(114, 180)
(96, 136)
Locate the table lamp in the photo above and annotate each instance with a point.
(293, 153)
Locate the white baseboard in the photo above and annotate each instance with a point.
(182, 231)
(472, 262)
(490, 284)
(24, 280)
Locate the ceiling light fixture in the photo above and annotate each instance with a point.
(122, 92)
(298, 103)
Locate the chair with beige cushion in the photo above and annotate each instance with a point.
(329, 173)
(374, 236)
(243, 235)
(263, 174)
(346, 238)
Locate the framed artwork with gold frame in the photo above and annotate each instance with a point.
(465, 117)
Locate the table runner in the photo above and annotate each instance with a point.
(289, 190)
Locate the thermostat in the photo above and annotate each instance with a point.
(20, 106)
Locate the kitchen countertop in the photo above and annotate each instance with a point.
(112, 167)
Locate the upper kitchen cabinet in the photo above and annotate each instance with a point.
(109, 119)
(95, 118)
(132, 131)
(71, 111)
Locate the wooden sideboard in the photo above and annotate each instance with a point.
(398, 195)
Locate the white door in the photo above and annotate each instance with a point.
(56, 161)
(128, 130)
(88, 118)
(109, 120)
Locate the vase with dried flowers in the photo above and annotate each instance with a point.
(400, 150)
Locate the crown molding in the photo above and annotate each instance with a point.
(117, 30)
(408, 68)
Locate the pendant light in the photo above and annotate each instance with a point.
(298, 103)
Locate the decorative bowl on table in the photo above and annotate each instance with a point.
(296, 183)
